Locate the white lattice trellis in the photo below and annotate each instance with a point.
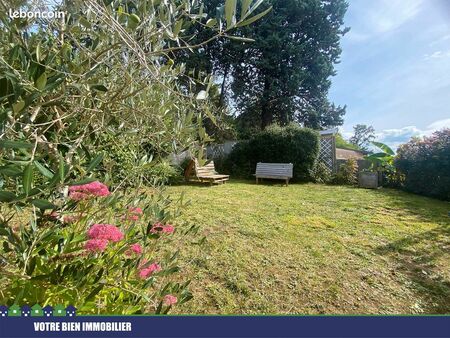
(327, 152)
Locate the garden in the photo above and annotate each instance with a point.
(315, 249)
(101, 113)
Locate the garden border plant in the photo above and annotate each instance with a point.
(65, 238)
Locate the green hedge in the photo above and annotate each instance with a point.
(425, 164)
(290, 144)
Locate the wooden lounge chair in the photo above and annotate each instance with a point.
(206, 174)
(282, 171)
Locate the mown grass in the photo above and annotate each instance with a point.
(315, 249)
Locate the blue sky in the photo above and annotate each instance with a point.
(394, 72)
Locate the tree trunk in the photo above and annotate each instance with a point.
(266, 112)
(222, 87)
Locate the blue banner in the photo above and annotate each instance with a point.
(226, 326)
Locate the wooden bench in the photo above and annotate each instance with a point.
(206, 174)
(281, 171)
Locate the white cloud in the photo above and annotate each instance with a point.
(394, 13)
(440, 40)
(396, 136)
(440, 124)
(437, 55)
(382, 16)
(345, 134)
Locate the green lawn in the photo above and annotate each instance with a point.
(316, 249)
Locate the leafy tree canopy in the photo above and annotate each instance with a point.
(284, 74)
(363, 135)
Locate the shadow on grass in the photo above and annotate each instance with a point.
(194, 184)
(269, 182)
(425, 208)
(415, 256)
(266, 182)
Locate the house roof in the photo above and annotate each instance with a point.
(332, 132)
(345, 154)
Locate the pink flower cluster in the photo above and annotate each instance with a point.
(170, 300)
(96, 245)
(133, 214)
(161, 228)
(134, 249)
(85, 191)
(100, 235)
(105, 231)
(149, 270)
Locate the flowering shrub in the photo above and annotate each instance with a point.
(96, 245)
(146, 271)
(84, 191)
(158, 228)
(135, 248)
(134, 213)
(84, 252)
(170, 300)
(65, 117)
(105, 232)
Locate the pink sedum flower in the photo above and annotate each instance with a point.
(161, 228)
(96, 245)
(78, 196)
(133, 210)
(85, 191)
(148, 271)
(168, 229)
(156, 228)
(105, 231)
(134, 249)
(133, 214)
(170, 300)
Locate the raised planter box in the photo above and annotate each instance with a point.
(368, 179)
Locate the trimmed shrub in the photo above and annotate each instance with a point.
(320, 173)
(163, 173)
(348, 172)
(425, 164)
(291, 144)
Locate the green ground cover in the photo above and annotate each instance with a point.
(316, 249)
